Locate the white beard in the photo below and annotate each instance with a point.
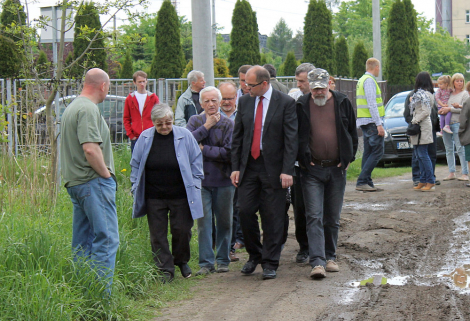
(320, 101)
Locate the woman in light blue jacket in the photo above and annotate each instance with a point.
(166, 178)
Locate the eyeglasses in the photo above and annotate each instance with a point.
(229, 98)
(253, 86)
(167, 123)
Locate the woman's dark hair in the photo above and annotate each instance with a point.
(424, 81)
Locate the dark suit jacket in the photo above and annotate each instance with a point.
(279, 136)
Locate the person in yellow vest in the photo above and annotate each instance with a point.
(370, 112)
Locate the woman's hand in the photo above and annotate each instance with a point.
(456, 105)
(444, 110)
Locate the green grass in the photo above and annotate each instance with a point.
(379, 172)
(38, 277)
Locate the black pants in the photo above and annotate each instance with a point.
(181, 223)
(237, 234)
(256, 193)
(299, 213)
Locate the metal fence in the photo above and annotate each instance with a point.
(27, 120)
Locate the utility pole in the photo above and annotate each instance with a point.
(376, 34)
(202, 39)
(214, 30)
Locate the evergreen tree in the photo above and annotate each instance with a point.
(290, 64)
(168, 61)
(12, 15)
(318, 37)
(241, 37)
(87, 25)
(360, 57)
(342, 57)
(10, 62)
(412, 34)
(256, 56)
(398, 47)
(279, 41)
(126, 69)
(263, 59)
(42, 65)
(220, 68)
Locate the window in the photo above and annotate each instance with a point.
(467, 39)
(467, 16)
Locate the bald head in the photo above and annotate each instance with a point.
(96, 85)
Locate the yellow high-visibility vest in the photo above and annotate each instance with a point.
(361, 101)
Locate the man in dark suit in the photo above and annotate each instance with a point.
(264, 148)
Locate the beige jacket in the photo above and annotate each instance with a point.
(422, 116)
(464, 129)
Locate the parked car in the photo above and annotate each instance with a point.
(397, 145)
(111, 108)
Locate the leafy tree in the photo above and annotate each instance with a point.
(297, 43)
(342, 57)
(42, 65)
(168, 61)
(242, 38)
(256, 56)
(440, 52)
(318, 37)
(289, 65)
(10, 62)
(279, 41)
(220, 68)
(127, 70)
(186, 31)
(412, 35)
(223, 48)
(139, 37)
(87, 25)
(263, 59)
(360, 57)
(398, 47)
(12, 16)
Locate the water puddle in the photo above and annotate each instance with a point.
(381, 280)
(367, 206)
(460, 276)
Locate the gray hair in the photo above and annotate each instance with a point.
(161, 110)
(194, 75)
(228, 83)
(210, 88)
(305, 67)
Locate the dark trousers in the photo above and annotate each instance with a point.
(181, 223)
(256, 193)
(299, 213)
(237, 234)
(373, 151)
(133, 145)
(432, 152)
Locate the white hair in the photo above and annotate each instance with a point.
(161, 110)
(194, 75)
(210, 88)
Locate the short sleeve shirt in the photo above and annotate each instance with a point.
(82, 123)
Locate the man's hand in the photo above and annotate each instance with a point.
(286, 180)
(201, 146)
(339, 165)
(234, 177)
(381, 131)
(135, 138)
(212, 120)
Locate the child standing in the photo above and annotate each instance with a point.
(442, 97)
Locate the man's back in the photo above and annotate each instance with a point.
(82, 123)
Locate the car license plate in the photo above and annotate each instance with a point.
(404, 145)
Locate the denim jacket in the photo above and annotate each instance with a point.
(189, 158)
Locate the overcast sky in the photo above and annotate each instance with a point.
(268, 11)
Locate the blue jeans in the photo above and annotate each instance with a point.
(133, 142)
(323, 192)
(95, 225)
(425, 165)
(215, 201)
(449, 141)
(373, 151)
(432, 152)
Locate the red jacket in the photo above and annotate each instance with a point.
(134, 123)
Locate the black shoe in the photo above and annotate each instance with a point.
(166, 277)
(302, 257)
(185, 270)
(269, 274)
(249, 267)
(437, 182)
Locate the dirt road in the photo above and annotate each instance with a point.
(419, 242)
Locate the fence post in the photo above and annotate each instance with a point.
(10, 119)
(160, 88)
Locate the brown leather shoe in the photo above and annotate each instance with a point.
(428, 188)
(233, 257)
(419, 186)
(238, 246)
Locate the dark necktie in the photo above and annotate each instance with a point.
(255, 145)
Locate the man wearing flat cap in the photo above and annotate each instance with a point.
(327, 145)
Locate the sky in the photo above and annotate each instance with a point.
(269, 12)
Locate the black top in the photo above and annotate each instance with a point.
(163, 178)
(195, 98)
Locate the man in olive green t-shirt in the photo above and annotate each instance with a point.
(88, 172)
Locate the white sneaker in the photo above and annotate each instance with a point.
(447, 129)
